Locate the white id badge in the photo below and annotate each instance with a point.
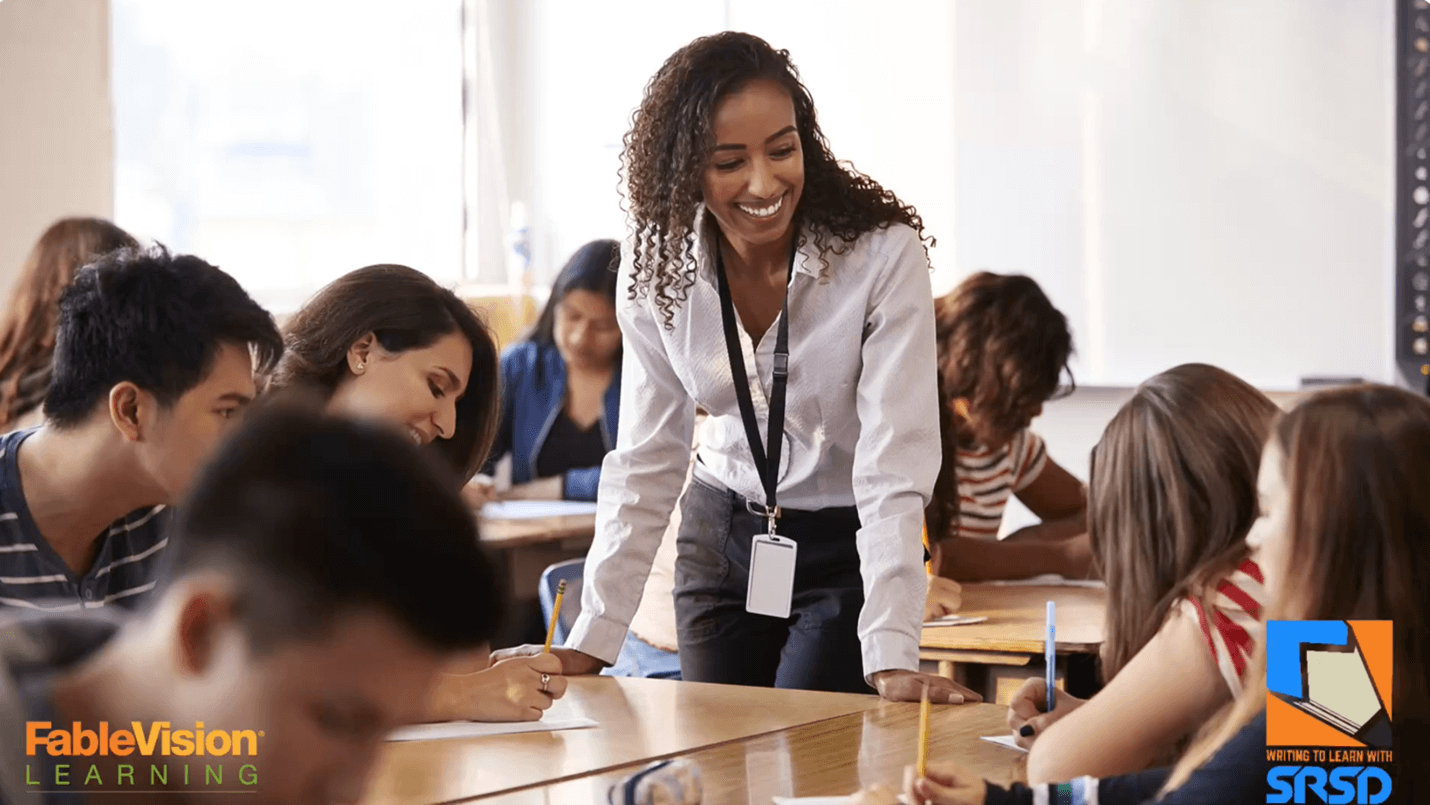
(771, 576)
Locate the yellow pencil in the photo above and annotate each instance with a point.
(555, 613)
(924, 734)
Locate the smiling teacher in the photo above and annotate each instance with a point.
(788, 296)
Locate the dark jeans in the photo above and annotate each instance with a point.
(817, 647)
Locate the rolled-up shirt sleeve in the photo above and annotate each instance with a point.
(896, 457)
(640, 479)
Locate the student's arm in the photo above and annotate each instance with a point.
(581, 484)
(510, 379)
(1059, 500)
(1168, 690)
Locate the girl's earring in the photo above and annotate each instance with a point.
(960, 407)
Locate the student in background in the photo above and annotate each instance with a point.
(1344, 488)
(152, 366)
(388, 344)
(1173, 494)
(324, 572)
(1002, 351)
(27, 332)
(561, 386)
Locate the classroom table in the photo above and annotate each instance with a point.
(1015, 631)
(507, 534)
(832, 757)
(640, 720)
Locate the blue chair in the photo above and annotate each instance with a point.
(570, 572)
(637, 658)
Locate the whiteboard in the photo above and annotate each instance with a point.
(1190, 180)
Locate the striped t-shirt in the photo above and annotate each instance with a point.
(1235, 624)
(33, 575)
(987, 477)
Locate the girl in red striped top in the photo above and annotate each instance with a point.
(1172, 497)
(1003, 349)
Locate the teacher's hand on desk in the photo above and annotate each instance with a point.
(573, 662)
(517, 689)
(908, 686)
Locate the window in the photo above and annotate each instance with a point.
(292, 141)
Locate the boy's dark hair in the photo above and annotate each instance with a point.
(152, 318)
(319, 516)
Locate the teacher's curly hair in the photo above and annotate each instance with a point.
(671, 139)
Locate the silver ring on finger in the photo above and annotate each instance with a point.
(545, 680)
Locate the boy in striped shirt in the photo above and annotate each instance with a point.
(153, 363)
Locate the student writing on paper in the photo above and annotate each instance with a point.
(388, 344)
(323, 572)
(1343, 515)
(737, 205)
(1173, 494)
(153, 364)
(561, 387)
(1002, 352)
(27, 332)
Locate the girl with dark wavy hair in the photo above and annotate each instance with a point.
(748, 234)
(1002, 351)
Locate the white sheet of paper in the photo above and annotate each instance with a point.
(447, 730)
(956, 620)
(1004, 740)
(1050, 580)
(529, 509)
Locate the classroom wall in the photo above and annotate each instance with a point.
(57, 143)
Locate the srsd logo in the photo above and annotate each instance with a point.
(1328, 710)
(1363, 785)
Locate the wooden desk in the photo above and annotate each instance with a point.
(505, 534)
(641, 720)
(1015, 631)
(827, 758)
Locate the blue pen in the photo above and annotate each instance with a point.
(1049, 652)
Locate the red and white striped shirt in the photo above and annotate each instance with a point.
(1235, 624)
(986, 478)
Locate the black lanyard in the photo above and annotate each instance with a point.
(768, 469)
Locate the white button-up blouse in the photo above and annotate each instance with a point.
(861, 428)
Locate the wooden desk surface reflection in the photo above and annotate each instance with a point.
(640, 720)
(827, 758)
(1017, 620)
(515, 533)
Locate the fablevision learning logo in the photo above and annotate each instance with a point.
(106, 759)
(1328, 711)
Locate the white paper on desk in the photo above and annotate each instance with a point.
(530, 509)
(1050, 580)
(448, 730)
(1004, 740)
(956, 620)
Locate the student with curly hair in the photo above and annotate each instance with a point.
(750, 239)
(1002, 351)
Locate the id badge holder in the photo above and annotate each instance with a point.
(771, 587)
